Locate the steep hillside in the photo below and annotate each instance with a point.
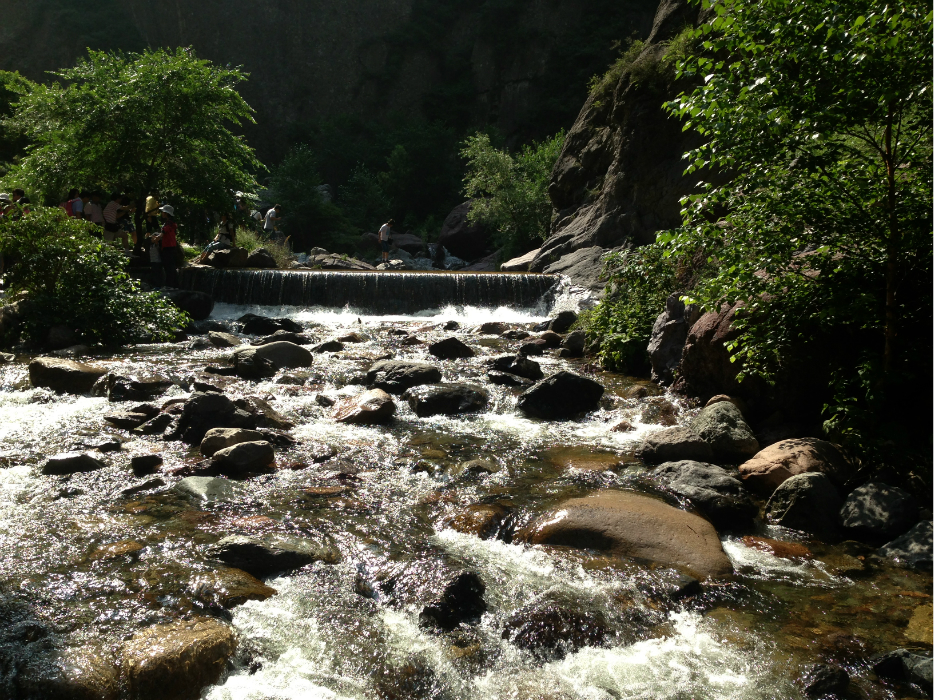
(518, 65)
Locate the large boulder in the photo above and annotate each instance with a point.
(245, 459)
(585, 267)
(520, 264)
(878, 512)
(254, 324)
(462, 238)
(64, 376)
(668, 337)
(396, 377)
(273, 554)
(561, 396)
(446, 399)
(280, 354)
(373, 407)
(177, 660)
(330, 261)
(712, 490)
(723, 427)
(903, 666)
(204, 411)
(198, 305)
(228, 257)
(674, 444)
(262, 259)
(562, 322)
(519, 365)
(770, 467)
(450, 349)
(913, 549)
(807, 502)
(627, 524)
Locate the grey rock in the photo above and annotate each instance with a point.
(668, 337)
(71, 463)
(584, 267)
(396, 377)
(264, 325)
(723, 427)
(561, 396)
(198, 305)
(220, 438)
(520, 264)
(156, 425)
(903, 666)
(244, 459)
(228, 257)
(262, 259)
(64, 376)
(518, 365)
(224, 340)
(209, 410)
(280, 354)
(822, 680)
(328, 346)
(506, 379)
(266, 556)
(562, 322)
(712, 490)
(878, 512)
(913, 549)
(450, 349)
(674, 444)
(141, 387)
(575, 342)
(807, 502)
(446, 399)
(211, 489)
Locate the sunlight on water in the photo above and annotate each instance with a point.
(756, 562)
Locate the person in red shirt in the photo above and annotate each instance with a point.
(169, 245)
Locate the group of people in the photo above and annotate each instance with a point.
(15, 203)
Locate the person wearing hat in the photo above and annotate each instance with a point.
(385, 238)
(168, 245)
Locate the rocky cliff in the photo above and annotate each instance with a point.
(518, 65)
(620, 176)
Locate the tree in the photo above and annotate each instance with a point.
(822, 111)
(157, 120)
(510, 192)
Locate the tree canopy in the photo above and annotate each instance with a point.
(139, 122)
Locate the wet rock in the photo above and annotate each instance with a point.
(413, 679)
(574, 343)
(211, 489)
(145, 486)
(446, 399)
(71, 463)
(328, 346)
(710, 489)
(492, 328)
(263, 325)
(263, 557)
(221, 438)
(280, 354)
(64, 376)
(674, 444)
(198, 305)
(561, 396)
(450, 349)
(444, 594)
(155, 426)
(373, 407)
(266, 415)
(261, 259)
(878, 512)
(903, 666)
(562, 322)
(229, 588)
(175, 661)
(353, 337)
(126, 420)
(722, 426)
(132, 388)
(396, 377)
(913, 549)
(474, 467)
(768, 469)
(550, 339)
(628, 524)
(143, 465)
(658, 410)
(516, 335)
(506, 379)
(244, 459)
(534, 347)
(518, 365)
(451, 326)
(205, 411)
(551, 631)
(669, 335)
(807, 502)
(821, 681)
(785, 550)
(116, 550)
(283, 336)
(105, 445)
(481, 520)
(82, 673)
(921, 625)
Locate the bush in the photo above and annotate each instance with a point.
(76, 280)
(510, 192)
(249, 239)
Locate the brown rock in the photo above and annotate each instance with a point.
(372, 407)
(64, 376)
(230, 587)
(785, 550)
(115, 550)
(221, 438)
(480, 519)
(738, 402)
(771, 467)
(920, 628)
(628, 524)
(177, 660)
(71, 674)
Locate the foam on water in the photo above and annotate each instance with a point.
(765, 565)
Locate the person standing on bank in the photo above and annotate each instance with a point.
(168, 245)
(385, 238)
(270, 227)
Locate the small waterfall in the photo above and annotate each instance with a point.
(371, 292)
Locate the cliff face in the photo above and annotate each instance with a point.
(518, 65)
(620, 176)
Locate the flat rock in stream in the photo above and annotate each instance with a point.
(244, 459)
(280, 354)
(64, 376)
(222, 339)
(373, 407)
(396, 377)
(219, 438)
(71, 463)
(263, 557)
(561, 396)
(628, 524)
(446, 399)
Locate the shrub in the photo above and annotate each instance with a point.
(74, 279)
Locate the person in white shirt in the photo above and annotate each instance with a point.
(385, 238)
(272, 216)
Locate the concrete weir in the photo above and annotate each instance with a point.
(373, 292)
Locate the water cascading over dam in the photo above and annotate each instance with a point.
(373, 292)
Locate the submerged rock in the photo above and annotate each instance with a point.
(551, 631)
(84, 673)
(723, 427)
(396, 377)
(71, 463)
(627, 524)
(913, 549)
(273, 554)
(229, 588)
(768, 469)
(878, 512)
(674, 444)
(64, 376)
(211, 489)
(446, 399)
(481, 520)
(373, 407)
(561, 396)
(807, 502)
(710, 489)
(450, 349)
(177, 660)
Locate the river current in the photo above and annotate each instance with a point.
(387, 494)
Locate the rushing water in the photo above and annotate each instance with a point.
(746, 638)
